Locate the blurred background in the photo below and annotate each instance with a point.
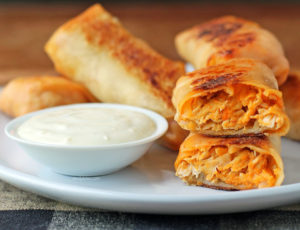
(25, 26)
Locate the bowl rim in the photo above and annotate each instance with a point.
(160, 122)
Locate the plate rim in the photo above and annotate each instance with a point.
(7, 173)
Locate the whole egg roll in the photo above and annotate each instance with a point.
(291, 97)
(228, 37)
(174, 136)
(27, 94)
(238, 97)
(230, 163)
(95, 50)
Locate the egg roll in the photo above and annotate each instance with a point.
(174, 136)
(95, 50)
(238, 97)
(27, 94)
(230, 163)
(224, 38)
(291, 97)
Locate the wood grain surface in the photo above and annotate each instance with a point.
(24, 29)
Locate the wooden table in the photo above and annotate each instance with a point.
(24, 29)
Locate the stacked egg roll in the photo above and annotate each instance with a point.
(235, 113)
(231, 163)
(238, 97)
(231, 105)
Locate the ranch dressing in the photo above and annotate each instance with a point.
(87, 126)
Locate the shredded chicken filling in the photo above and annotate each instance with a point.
(243, 108)
(242, 168)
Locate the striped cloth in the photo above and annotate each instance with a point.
(23, 210)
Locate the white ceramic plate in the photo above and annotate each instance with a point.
(147, 186)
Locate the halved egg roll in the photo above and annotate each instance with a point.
(230, 163)
(222, 39)
(238, 97)
(291, 97)
(95, 50)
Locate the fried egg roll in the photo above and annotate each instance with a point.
(238, 97)
(174, 136)
(95, 50)
(27, 94)
(230, 163)
(228, 37)
(291, 97)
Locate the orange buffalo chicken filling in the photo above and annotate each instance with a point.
(228, 167)
(234, 108)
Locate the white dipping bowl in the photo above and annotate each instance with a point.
(87, 160)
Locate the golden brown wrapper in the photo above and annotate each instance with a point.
(95, 50)
(224, 38)
(174, 136)
(238, 97)
(27, 94)
(230, 163)
(291, 97)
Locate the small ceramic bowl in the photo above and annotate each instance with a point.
(87, 160)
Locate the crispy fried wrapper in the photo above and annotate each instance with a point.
(95, 50)
(174, 136)
(230, 163)
(291, 97)
(238, 97)
(27, 94)
(222, 39)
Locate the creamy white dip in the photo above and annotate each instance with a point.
(87, 126)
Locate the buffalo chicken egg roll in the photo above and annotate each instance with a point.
(95, 50)
(230, 163)
(235, 98)
(228, 37)
(27, 94)
(291, 97)
(174, 136)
